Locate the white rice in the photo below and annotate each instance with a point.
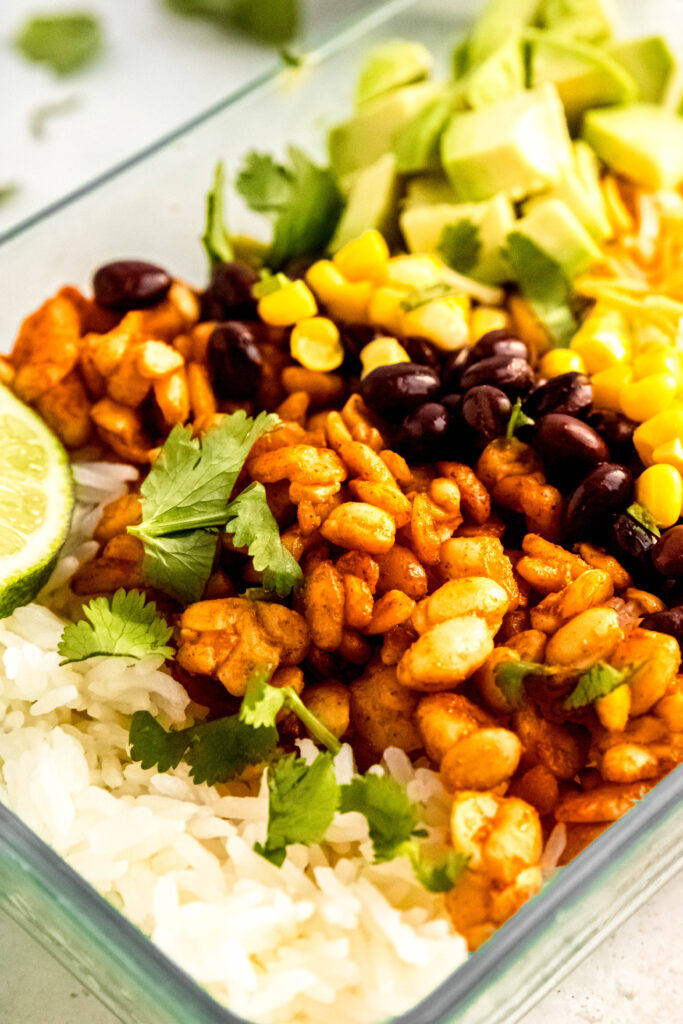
(329, 932)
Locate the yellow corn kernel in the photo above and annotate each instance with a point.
(603, 340)
(658, 359)
(661, 429)
(415, 271)
(561, 360)
(345, 300)
(613, 709)
(441, 321)
(487, 318)
(642, 399)
(385, 309)
(527, 325)
(660, 489)
(289, 304)
(365, 258)
(315, 343)
(382, 352)
(607, 386)
(671, 453)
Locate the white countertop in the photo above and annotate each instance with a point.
(158, 71)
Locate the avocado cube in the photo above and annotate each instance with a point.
(372, 203)
(366, 137)
(642, 141)
(427, 189)
(501, 74)
(584, 75)
(588, 208)
(592, 20)
(650, 63)
(391, 65)
(554, 229)
(518, 146)
(499, 21)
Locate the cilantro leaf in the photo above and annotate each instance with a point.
(518, 418)
(270, 21)
(598, 681)
(180, 563)
(437, 875)
(544, 284)
(421, 296)
(392, 816)
(216, 751)
(64, 42)
(644, 517)
(262, 703)
(254, 527)
(268, 284)
(7, 192)
(303, 801)
(509, 677)
(127, 624)
(216, 239)
(304, 200)
(153, 746)
(460, 245)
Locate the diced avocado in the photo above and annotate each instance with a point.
(500, 21)
(642, 141)
(583, 203)
(416, 144)
(391, 65)
(459, 59)
(367, 136)
(518, 146)
(468, 236)
(558, 233)
(501, 74)
(650, 63)
(372, 203)
(592, 20)
(428, 189)
(584, 75)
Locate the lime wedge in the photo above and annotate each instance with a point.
(36, 499)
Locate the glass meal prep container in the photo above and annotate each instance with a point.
(153, 209)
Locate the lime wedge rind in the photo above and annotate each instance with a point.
(27, 568)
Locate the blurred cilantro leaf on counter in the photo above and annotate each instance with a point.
(269, 21)
(65, 42)
(303, 199)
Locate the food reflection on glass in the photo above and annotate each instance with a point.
(367, 619)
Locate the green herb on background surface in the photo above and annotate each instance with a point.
(509, 677)
(125, 625)
(262, 703)
(421, 296)
(64, 42)
(302, 804)
(216, 239)
(302, 198)
(518, 418)
(185, 499)
(544, 284)
(255, 528)
(644, 517)
(216, 751)
(597, 682)
(8, 192)
(460, 245)
(40, 116)
(291, 59)
(269, 21)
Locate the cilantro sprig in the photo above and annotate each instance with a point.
(421, 296)
(125, 625)
(599, 680)
(643, 516)
(460, 245)
(64, 42)
(509, 677)
(262, 703)
(303, 200)
(302, 802)
(518, 419)
(216, 238)
(185, 501)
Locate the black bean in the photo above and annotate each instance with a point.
(498, 343)
(569, 443)
(606, 489)
(234, 360)
(396, 390)
(615, 428)
(669, 621)
(486, 411)
(667, 554)
(454, 366)
(569, 393)
(355, 337)
(130, 284)
(632, 545)
(424, 434)
(229, 296)
(512, 375)
(422, 351)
